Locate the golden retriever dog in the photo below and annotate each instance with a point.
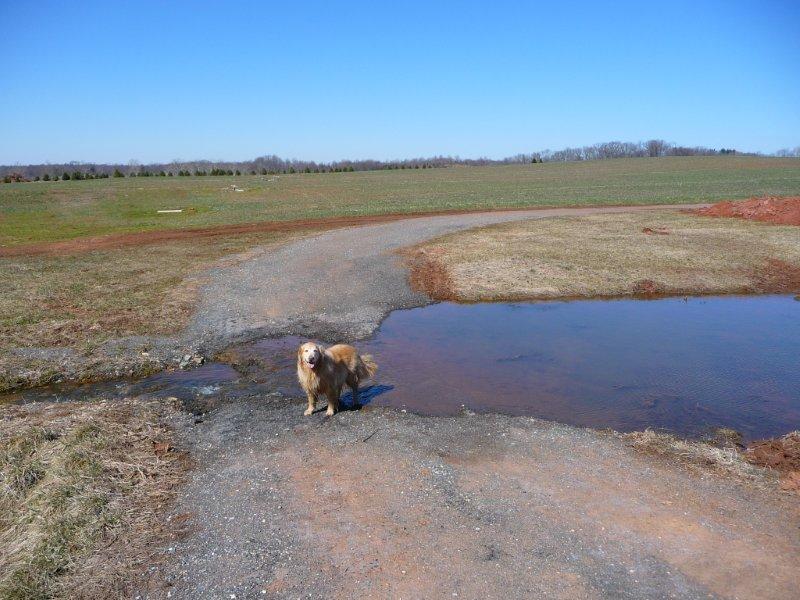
(323, 370)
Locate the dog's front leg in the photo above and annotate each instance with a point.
(333, 402)
(312, 404)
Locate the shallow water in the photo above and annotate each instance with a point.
(683, 365)
(686, 366)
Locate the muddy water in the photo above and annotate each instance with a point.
(683, 366)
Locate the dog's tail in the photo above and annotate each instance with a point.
(366, 366)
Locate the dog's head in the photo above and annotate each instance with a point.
(310, 354)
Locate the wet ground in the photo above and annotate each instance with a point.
(687, 366)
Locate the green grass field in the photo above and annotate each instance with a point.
(49, 211)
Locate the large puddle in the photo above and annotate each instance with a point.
(686, 366)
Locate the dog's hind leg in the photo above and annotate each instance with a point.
(356, 403)
(333, 402)
(312, 404)
(352, 382)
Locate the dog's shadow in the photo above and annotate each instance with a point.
(365, 396)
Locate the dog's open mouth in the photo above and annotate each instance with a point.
(311, 362)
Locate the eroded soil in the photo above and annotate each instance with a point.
(781, 454)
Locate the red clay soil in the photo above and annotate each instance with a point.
(776, 277)
(427, 275)
(770, 209)
(143, 238)
(781, 454)
(647, 287)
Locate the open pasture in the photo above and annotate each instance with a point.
(50, 211)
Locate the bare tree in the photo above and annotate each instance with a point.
(656, 147)
(789, 152)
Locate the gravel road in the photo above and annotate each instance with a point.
(385, 504)
(333, 286)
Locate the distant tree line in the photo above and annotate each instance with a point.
(650, 148)
(274, 165)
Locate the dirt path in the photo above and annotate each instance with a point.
(384, 504)
(336, 285)
(143, 238)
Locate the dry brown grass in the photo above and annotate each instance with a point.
(726, 459)
(83, 488)
(617, 255)
(80, 300)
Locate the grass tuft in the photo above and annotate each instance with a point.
(727, 459)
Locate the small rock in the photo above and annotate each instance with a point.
(191, 359)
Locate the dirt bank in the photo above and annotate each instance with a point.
(769, 209)
(427, 274)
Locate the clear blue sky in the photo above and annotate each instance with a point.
(152, 81)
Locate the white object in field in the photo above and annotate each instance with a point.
(171, 210)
